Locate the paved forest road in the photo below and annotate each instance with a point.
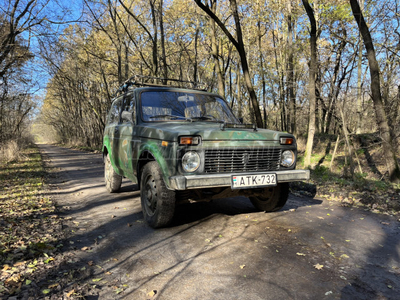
(224, 249)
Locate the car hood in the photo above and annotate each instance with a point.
(209, 131)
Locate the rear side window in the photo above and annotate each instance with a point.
(113, 116)
(130, 107)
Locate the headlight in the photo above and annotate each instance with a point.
(288, 158)
(190, 161)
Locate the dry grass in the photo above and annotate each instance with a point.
(10, 152)
(13, 150)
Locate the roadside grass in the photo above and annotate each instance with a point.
(30, 230)
(365, 189)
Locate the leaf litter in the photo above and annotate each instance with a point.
(31, 236)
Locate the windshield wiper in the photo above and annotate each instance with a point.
(207, 118)
(172, 117)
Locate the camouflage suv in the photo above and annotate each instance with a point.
(183, 145)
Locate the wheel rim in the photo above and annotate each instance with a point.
(150, 195)
(268, 192)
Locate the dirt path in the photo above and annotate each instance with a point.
(312, 249)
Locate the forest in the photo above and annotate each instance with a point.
(318, 69)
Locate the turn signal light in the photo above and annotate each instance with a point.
(287, 141)
(189, 140)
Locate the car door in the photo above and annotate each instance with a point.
(112, 133)
(127, 145)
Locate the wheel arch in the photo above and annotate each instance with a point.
(149, 154)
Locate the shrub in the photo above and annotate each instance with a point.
(12, 150)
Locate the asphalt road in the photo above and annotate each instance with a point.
(312, 249)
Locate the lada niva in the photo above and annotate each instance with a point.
(182, 145)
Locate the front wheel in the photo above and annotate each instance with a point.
(273, 199)
(158, 203)
(112, 179)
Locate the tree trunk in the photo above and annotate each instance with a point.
(162, 37)
(290, 79)
(214, 52)
(311, 84)
(388, 147)
(264, 92)
(155, 39)
(359, 84)
(242, 53)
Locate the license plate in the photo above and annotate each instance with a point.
(251, 181)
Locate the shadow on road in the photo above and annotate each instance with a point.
(378, 276)
(224, 249)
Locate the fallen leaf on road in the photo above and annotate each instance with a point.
(97, 279)
(242, 266)
(318, 266)
(344, 256)
(320, 218)
(300, 254)
(151, 293)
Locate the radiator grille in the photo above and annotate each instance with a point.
(242, 160)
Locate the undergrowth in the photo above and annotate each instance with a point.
(335, 183)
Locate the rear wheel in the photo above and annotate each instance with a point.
(158, 203)
(112, 179)
(274, 198)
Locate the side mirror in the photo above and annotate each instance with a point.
(241, 120)
(127, 116)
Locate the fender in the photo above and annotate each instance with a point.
(161, 155)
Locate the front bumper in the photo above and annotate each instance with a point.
(182, 182)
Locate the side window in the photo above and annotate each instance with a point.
(129, 106)
(113, 117)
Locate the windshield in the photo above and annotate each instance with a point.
(166, 106)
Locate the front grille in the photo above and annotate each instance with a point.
(241, 160)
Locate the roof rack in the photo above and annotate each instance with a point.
(141, 80)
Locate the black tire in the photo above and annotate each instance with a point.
(112, 179)
(275, 198)
(158, 203)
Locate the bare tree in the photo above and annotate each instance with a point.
(388, 147)
(311, 82)
(239, 45)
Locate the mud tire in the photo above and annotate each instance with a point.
(112, 179)
(158, 203)
(275, 198)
